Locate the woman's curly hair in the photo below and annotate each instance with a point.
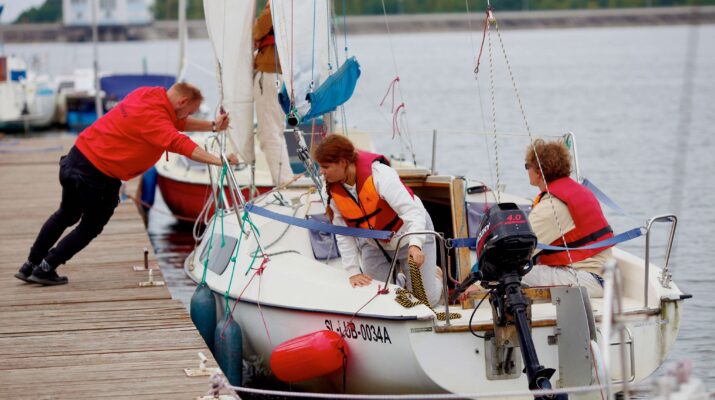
(554, 157)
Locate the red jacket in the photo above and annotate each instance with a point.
(591, 224)
(132, 136)
(369, 211)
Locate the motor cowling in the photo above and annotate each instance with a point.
(505, 241)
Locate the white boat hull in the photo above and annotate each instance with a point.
(407, 350)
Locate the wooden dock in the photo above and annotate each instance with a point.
(100, 336)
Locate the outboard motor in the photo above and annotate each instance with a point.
(505, 244)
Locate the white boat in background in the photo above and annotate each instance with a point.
(27, 99)
(185, 185)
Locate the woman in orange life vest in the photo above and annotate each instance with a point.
(365, 192)
(564, 207)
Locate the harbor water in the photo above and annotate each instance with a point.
(639, 101)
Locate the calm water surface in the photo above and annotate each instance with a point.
(640, 101)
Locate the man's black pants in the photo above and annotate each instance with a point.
(88, 196)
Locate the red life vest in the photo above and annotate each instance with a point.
(591, 224)
(369, 210)
(268, 40)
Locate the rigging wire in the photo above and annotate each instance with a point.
(411, 146)
(479, 88)
(685, 113)
(492, 20)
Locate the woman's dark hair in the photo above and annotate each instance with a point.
(554, 157)
(334, 148)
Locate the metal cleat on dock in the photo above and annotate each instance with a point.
(202, 370)
(151, 281)
(146, 265)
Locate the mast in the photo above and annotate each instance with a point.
(95, 63)
(183, 42)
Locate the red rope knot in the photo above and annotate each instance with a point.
(395, 121)
(262, 268)
(489, 18)
(384, 290)
(391, 89)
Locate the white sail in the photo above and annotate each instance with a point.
(302, 35)
(230, 28)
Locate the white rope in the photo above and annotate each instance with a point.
(506, 394)
(496, 186)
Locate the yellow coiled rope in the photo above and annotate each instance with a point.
(418, 292)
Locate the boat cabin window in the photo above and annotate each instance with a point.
(219, 256)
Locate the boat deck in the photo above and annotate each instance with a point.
(101, 335)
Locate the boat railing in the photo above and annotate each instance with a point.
(570, 140)
(611, 318)
(442, 263)
(665, 276)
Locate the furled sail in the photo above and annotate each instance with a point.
(230, 28)
(183, 42)
(336, 90)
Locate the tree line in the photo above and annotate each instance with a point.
(51, 10)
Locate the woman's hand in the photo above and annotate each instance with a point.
(360, 280)
(417, 255)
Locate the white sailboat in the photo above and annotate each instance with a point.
(27, 99)
(279, 285)
(408, 350)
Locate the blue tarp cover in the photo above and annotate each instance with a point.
(118, 86)
(336, 90)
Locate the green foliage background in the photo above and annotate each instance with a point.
(51, 10)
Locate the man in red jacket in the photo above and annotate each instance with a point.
(121, 145)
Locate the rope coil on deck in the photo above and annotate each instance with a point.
(418, 291)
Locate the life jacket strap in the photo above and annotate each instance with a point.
(583, 241)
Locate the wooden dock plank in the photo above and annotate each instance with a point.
(101, 335)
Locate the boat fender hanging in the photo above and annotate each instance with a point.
(229, 349)
(309, 356)
(148, 187)
(203, 313)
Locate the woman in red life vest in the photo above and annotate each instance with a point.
(365, 192)
(565, 214)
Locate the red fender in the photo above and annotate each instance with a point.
(308, 356)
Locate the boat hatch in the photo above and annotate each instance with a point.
(221, 248)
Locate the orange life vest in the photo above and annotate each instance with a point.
(369, 210)
(591, 224)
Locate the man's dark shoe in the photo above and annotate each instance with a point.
(44, 274)
(25, 271)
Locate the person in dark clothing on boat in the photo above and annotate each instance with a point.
(121, 145)
(565, 214)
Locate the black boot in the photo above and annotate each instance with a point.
(25, 271)
(44, 274)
